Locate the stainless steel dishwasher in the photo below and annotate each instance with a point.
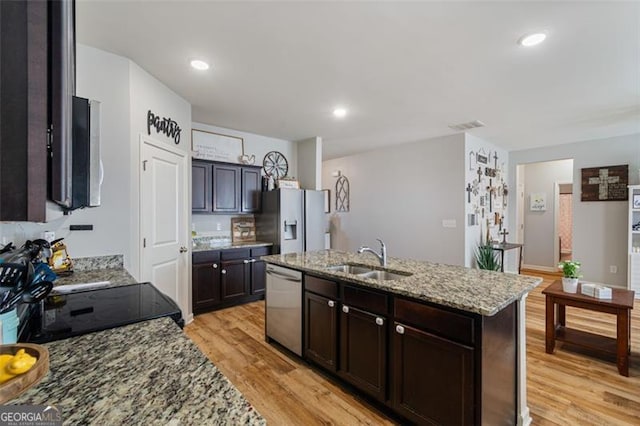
(284, 307)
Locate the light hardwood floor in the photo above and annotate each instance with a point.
(566, 388)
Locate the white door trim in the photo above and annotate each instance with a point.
(183, 297)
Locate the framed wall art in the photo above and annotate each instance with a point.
(607, 183)
(538, 202)
(216, 147)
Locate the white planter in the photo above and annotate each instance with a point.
(570, 285)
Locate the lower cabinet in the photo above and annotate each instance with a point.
(363, 350)
(433, 378)
(431, 365)
(321, 330)
(223, 278)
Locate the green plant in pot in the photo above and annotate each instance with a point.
(487, 258)
(570, 275)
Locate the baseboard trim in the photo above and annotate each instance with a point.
(540, 268)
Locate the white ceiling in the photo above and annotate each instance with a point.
(405, 71)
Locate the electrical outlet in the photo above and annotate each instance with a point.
(613, 269)
(218, 226)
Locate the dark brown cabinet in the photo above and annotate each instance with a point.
(201, 187)
(23, 110)
(363, 350)
(321, 330)
(223, 278)
(431, 364)
(205, 278)
(225, 188)
(433, 378)
(251, 190)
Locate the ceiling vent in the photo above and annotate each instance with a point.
(467, 126)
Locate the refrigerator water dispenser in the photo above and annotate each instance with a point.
(290, 229)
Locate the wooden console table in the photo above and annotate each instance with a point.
(619, 305)
(502, 247)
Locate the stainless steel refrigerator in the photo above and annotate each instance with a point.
(292, 219)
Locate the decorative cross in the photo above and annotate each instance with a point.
(491, 194)
(504, 234)
(469, 190)
(495, 158)
(479, 174)
(603, 181)
(505, 194)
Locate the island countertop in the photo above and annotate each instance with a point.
(144, 373)
(472, 290)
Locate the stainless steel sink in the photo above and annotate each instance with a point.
(384, 275)
(350, 269)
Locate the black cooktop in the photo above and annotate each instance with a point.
(73, 314)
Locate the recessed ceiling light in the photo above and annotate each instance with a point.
(199, 65)
(339, 112)
(529, 40)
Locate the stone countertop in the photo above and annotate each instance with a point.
(144, 373)
(110, 277)
(473, 290)
(227, 244)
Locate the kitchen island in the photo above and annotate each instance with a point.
(145, 373)
(438, 344)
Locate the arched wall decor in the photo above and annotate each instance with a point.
(342, 194)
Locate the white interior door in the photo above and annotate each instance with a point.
(163, 220)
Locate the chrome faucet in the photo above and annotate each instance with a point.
(382, 257)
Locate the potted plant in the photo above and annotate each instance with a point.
(487, 258)
(570, 275)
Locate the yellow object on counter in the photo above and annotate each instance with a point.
(13, 365)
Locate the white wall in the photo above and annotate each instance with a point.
(147, 93)
(402, 194)
(310, 163)
(257, 145)
(599, 227)
(474, 233)
(539, 226)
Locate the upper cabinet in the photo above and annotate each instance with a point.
(23, 108)
(225, 188)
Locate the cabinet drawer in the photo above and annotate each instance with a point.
(364, 299)
(234, 254)
(321, 286)
(260, 251)
(209, 256)
(448, 324)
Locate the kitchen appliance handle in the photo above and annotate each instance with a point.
(284, 276)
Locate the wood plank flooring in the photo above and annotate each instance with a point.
(565, 388)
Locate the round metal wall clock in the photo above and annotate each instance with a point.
(275, 164)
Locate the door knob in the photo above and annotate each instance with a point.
(399, 329)
(379, 321)
(331, 303)
(215, 266)
(183, 249)
(345, 309)
(223, 271)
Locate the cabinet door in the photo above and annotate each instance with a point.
(201, 187)
(258, 277)
(363, 350)
(205, 285)
(320, 330)
(251, 190)
(234, 280)
(432, 378)
(226, 188)
(23, 108)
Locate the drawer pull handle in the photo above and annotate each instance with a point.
(399, 329)
(215, 266)
(379, 321)
(331, 303)
(345, 309)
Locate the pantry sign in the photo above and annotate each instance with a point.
(163, 125)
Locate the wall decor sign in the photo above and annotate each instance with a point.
(163, 125)
(342, 194)
(482, 158)
(608, 183)
(538, 201)
(243, 229)
(216, 147)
